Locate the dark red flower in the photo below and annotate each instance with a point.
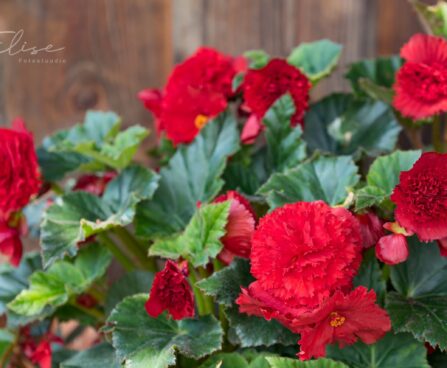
(343, 319)
(392, 249)
(10, 243)
(421, 197)
(421, 83)
(87, 300)
(197, 91)
(240, 226)
(172, 292)
(40, 353)
(262, 87)
(371, 227)
(19, 172)
(302, 252)
(94, 184)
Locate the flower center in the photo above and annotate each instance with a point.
(200, 121)
(336, 320)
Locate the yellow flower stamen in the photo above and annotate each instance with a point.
(200, 121)
(336, 320)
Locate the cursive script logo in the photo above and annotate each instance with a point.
(17, 46)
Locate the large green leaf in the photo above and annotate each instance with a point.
(316, 59)
(295, 363)
(13, 281)
(99, 356)
(433, 17)
(393, 351)
(192, 175)
(53, 288)
(201, 238)
(78, 215)
(285, 148)
(143, 341)
(94, 145)
(382, 178)
(342, 125)
(312, 181)
(243, 359)
(375, 77)
(420, 306)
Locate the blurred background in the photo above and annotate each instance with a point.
(104, 51)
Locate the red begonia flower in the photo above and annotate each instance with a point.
(239, 229)
(421, 83)
(262, 87)
(94, 184)
(343, 319)
(172, 292)
(371, 227)
(196, 91)
(421, 197)
(41, 353)
(392, 249)
(10, 243)
(302, 252)
(19, 172)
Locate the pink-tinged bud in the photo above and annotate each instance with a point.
(371, 227)
(94, 184)
(442, 244)
(10, 244)
(251, 129)
(397, 228)
(392, 249)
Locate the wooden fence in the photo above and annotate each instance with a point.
(114, 48)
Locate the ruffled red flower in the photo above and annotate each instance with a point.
(262, 87)
(371, 227)
(302, 252)
(197, 91)
(392, 249)
(19, 172)
(421, 197)
(343, 319)
(421, 83)
(239, 229)
(10, 243)
(94, 184)
(172, 292)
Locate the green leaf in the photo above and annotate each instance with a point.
(225, 360)
(6, 340)
(12, 282)
(421, 305)
(131, 283)
(78, 215)
(375, 77)
(257, 58)
(101, 355)
(342, 125)
(295, 363)
(143, 341)
(225, 285)
(432, 17)
(285, 148)
(316, 59)
(54, 287)
(192, 175)
(370, 275)
(396, 351)
(201, 238)
(383, 176)
(312, 181)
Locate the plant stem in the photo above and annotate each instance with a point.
(116, 251)
(134, 246)
(90, 311)
(436, 134)
(209, 303)
(414, 135)
(197, 293)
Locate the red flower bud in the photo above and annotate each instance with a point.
(371, 228)
(392, 249)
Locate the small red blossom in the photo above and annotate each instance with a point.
(10, 243)
(197, 91)
(392, 249)
(94, 184)
(19, 171)
(302, 252)
(172, 292)
(421, 83)
(39, 353)
(239, 229)
(262, 87)
(421, 197)
(371, 228)
(343, 319)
